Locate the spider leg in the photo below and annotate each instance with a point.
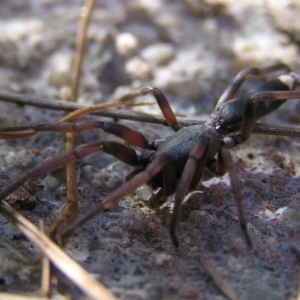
(134, 172)
(168, 187)
(161, 101)
(122, 152)
(190, 177)
(157, 199)
(236, 188)
(250, 115)
(243, 76)
(217, 166)
(124, 132)
(115, 197)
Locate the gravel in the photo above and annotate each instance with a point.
(191, 50)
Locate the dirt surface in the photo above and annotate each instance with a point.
(191, 50)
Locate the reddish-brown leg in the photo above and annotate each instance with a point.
(122, 152)
(192, 173)
(249, 115)
(161, 101)
(168, 187)
(115, 197)
(236, 189)
(243, 76)
(218, 166)
(124, 132)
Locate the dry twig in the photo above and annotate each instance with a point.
(219, 281)
(71, 211)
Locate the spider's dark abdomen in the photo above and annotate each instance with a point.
(178, 146)
(232, 112)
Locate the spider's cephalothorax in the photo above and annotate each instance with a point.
(175, 165)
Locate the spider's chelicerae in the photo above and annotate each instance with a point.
(175, 165)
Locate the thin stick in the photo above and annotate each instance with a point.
(55, 104)
(80, 46)
(72, 188)
(77, 113)
(219, 281)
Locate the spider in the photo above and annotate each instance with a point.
(175, 165)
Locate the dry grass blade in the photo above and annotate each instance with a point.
(219, 281)
(97, 108)
(17, 135)
(71, 212)
(80, 46)
(58, 258)
(46, 271)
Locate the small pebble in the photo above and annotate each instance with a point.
(22, 158)
(135, 220)
(104, 179)
(184, 86)
(163, 259)
(136, 68)
(59, 68)
(126, 44)
(150, 6)
(144, 192)
(158, 54)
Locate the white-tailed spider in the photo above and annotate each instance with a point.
(175, 165)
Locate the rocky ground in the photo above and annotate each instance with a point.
(191, 50)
